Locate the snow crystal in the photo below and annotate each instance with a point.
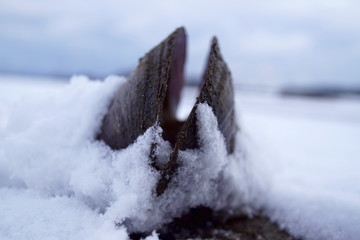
(207, 177)
(55, 175)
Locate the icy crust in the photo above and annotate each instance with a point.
(51, 163)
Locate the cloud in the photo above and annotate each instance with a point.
(265, 43)
(295, 38)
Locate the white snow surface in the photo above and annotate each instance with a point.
(296, 161)
(58, 182)
(313, 146)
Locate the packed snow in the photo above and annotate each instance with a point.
(296, 161)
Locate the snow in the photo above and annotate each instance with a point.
(313, 146)
(28, 214)
(49, 156)
(296, 161)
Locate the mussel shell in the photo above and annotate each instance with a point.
(152, 93)
(217, 91)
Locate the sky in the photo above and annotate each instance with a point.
(265, 43)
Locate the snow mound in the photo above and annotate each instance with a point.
(58, 182)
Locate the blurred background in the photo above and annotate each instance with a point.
(292, 46)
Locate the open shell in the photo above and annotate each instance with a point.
(152, 93)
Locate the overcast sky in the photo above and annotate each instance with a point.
(264, 42)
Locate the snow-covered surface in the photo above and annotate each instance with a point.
(50, 156)
(57, 182)
(313, 146)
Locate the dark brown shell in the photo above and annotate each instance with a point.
(217, 91)
(151, 96)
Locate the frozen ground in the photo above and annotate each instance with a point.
(56, 183)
